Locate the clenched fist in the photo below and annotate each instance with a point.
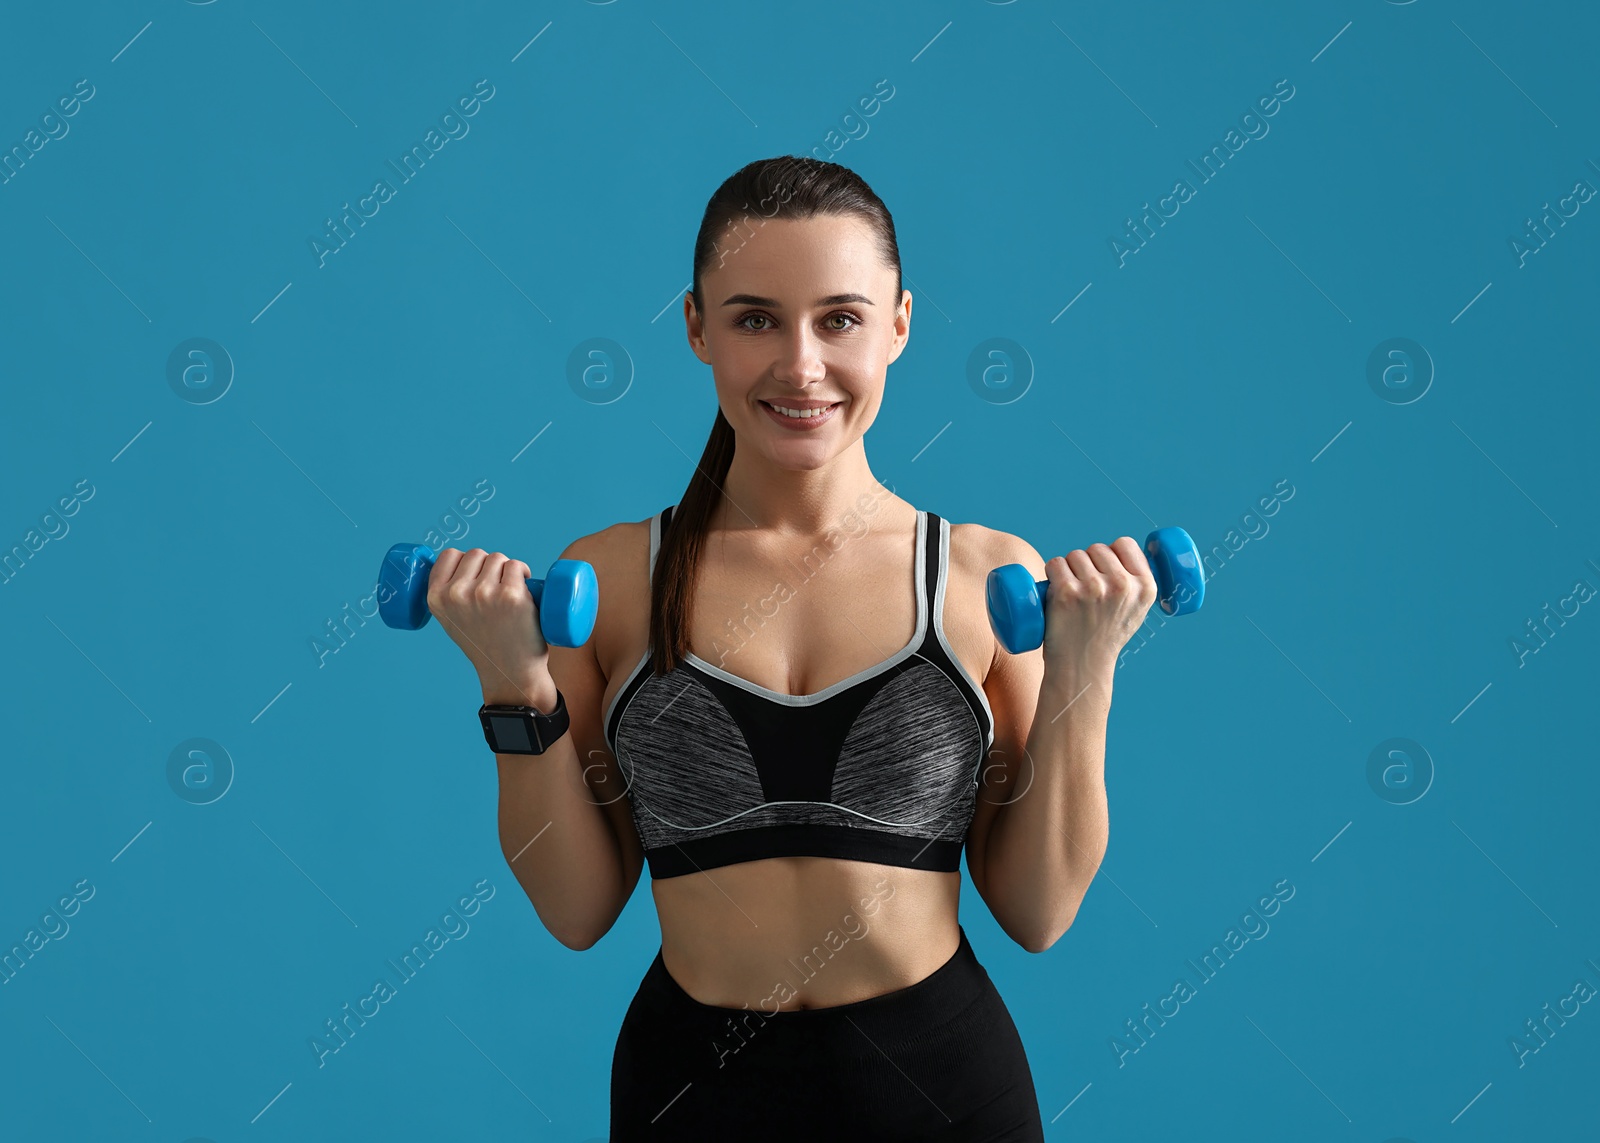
(481, 599)
(1096, 600)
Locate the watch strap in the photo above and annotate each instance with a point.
(510, 729)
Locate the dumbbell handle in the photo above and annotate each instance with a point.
(1165, 594)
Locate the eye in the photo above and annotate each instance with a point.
(852, 320)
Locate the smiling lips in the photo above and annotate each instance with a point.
(806, 415)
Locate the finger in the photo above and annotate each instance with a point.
(489, 573)
(1132, 555)
(444, 566)
(466, 569)
(1106, 562)
(515, 571)
(1082, 566)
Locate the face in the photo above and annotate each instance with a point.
(801, 316)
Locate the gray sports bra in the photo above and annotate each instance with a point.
(882, 766)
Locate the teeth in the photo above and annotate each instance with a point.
(799, 414)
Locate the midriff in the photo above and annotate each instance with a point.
(787, 933)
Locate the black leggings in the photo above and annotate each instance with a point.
(938, 1060)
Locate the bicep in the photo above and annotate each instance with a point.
(1012, 688)
(582, 682)
(577, 675)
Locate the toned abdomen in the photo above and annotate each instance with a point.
(787, 933)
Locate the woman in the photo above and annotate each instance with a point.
(803, 786)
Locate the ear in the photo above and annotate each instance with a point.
(694, 328)
(902, 326)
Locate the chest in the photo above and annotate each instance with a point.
(796, 620)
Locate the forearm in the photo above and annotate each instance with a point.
(1046, 845)
(555, 836)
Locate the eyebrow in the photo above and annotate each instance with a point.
(830, 300)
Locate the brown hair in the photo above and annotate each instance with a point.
(789, 187)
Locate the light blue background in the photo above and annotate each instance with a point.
(372, 392)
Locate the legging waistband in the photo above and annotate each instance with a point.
(937, 997)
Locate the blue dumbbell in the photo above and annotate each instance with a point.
(566, 599)
(1016, 600)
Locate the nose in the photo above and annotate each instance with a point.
(799, 358)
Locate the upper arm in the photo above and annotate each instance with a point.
(1012, 687)
(582, 681)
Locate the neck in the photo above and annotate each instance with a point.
(841, 496)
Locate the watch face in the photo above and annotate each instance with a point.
(510, 731)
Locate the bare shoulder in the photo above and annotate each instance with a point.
(613, 546)
(977, 549)
(620, 556)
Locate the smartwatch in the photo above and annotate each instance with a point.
(522, 729)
